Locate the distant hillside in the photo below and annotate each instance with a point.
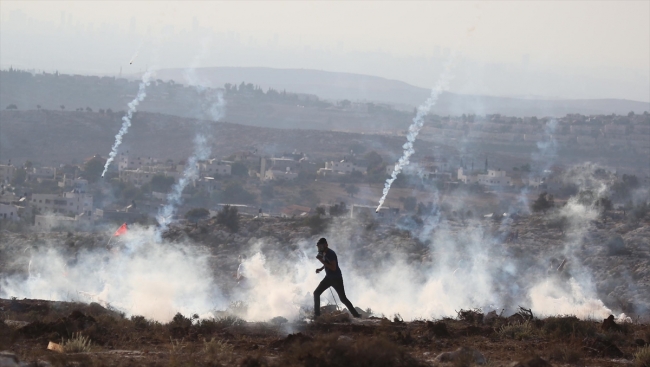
(53, 137)
(338, 86)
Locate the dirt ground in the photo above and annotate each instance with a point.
(333, 340)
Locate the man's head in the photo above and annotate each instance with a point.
(322, 244)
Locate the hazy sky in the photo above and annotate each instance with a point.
(589, 49)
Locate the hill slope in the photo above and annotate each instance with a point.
(337, 86)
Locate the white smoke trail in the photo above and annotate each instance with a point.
(418, 122)
(190, 173)
(201, 148)
(126, 119)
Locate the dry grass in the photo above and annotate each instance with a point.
(642, 357)
(217, 349)
(517, 330)
(330, 351)
(77, 344)
(566, 354)
(564, 327)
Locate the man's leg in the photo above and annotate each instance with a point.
(322, 287)
(340, 290)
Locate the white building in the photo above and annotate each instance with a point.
(207, 184)
(466, 178)
(495, 178)
(133, 163)
(41, 173)
(343, 168)
(7, 172)
(137, 177)
(77, 184)
(214, 167)
(279, 166)
(9, 212)
(143, 176)
(70, 203)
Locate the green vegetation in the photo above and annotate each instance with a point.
(229, 217)
(543, 203)
(196, 214)
(77, 344)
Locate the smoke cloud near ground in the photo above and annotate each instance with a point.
(126, 119)
(454, 264)
(469, 267)
(135, 275)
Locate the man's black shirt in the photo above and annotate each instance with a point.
(329, 256)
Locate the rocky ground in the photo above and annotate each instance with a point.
(471, 338)
(613, 248)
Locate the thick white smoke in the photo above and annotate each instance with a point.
(464, 264)
(126, 119)
(136, 276)
(418, 122)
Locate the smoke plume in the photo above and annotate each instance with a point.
(135, 276)
(214, 110)
(418, 122)
(190, 173)
(126, 119)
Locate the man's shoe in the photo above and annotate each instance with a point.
(357, 316)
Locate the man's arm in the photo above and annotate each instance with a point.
(330, 264)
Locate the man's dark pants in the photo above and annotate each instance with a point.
(337, 284)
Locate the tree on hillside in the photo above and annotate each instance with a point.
(62, 107)
(337, 210)
(12, 107)
(543, 203)
(19, 177)
(351, 190)
(229, 217)
(196, 214)
(93, 168)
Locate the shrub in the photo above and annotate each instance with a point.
(229, 217)
(217, 349)
(566, 354)
(139, 322)
(518, 331)
(568, 326)
(196, 214)
(543, 203)
(78, 344)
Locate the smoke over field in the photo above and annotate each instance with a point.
(449, 262)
